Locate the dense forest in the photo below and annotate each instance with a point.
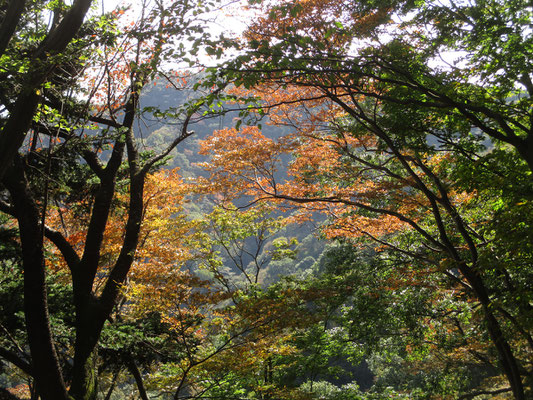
(335, 203)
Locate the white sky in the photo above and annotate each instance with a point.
(230, 19)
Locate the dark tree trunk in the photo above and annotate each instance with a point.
(506, 356)
(14, 131)
(9, 23)
(525, 149)
(134, 370)
(45, 363)
(84, 375)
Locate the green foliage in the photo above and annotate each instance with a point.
(407, 333)
(434, 133)
(457, 131)
(238, 246)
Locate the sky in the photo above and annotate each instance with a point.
(231, 18)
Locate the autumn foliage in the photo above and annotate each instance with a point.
(395, 137)
(378, 139)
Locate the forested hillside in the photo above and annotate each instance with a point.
(335, 204)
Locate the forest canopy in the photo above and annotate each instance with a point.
(341, 208)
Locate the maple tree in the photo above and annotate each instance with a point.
(72, 161)
(365, 199)
(237, 246)
(232, 317)
(168, 324)
(369, 191)
(205, 324)
(390, 52)
(161, 312)
(426, 162)
(388, 142)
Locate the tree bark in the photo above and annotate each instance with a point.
(506, 356)
(9, 24)
(84, 374)
(45, 364)
(134, 370)
(92, 312)
(14, 131)
(525, 149)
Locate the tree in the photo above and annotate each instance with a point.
(391, 51)
(384, 135)
(417, 336)
(406, 201)
(125, 54)
(238, 246)
(43, 60)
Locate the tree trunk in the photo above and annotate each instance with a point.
(14, 131)
(84, 374)
(507, 359)
(134, 370)
(45, 363)
(525, 149)
(9, 23)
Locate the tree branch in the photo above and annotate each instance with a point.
(16, 360)
(9, 23)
